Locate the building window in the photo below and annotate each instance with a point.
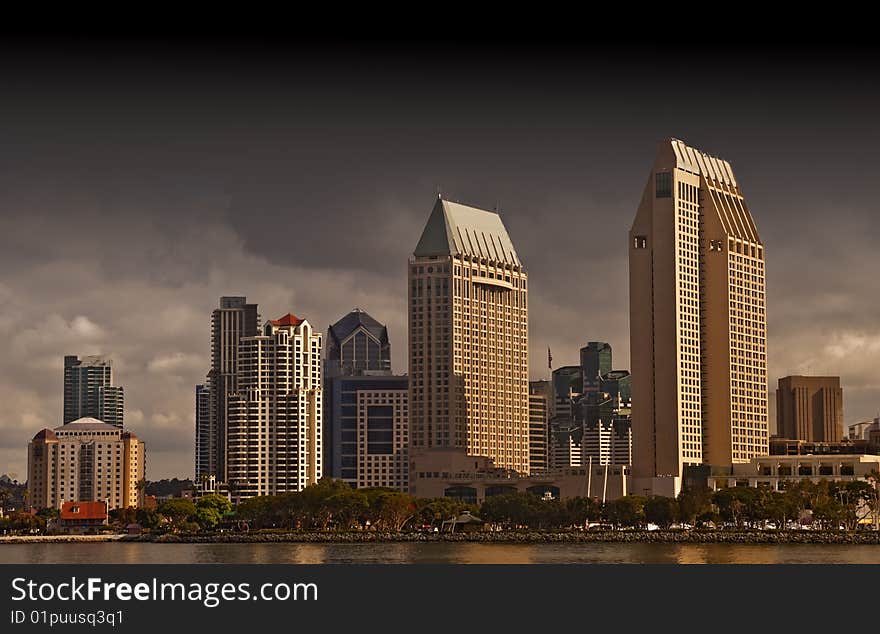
(640, 242)
(663, 185)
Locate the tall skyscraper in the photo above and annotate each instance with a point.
(89, 390)
(810, 408)
(234, 319)
(273, 442)
(468, 345)
(203, 431)
(366, 417)
(697, 321)
(85, 460)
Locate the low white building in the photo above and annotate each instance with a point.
(773, 471)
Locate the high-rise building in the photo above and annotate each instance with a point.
(568, 385)
(697, 321)
(273, 440)
(85, 460)
(595, 363)
(111, 405)
(540, 395)
(357, 344)
(234, 319)
(565, 427)
(468, 344)
(366, 418)
(203, 432)
(89, 390)
(606, 420)
(810, 408)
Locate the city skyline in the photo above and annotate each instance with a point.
(120, 242)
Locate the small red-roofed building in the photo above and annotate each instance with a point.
(82, 517)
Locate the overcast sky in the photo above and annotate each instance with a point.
(139, 184)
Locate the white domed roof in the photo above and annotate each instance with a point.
(87, 423)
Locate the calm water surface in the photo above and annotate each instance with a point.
(135, 553)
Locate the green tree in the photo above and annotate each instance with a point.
(582, 510)
(782, 508)
(257, 511)
(660, 510)
(694, 505)
(177, 511)
(123, 517)
(390, 509)
(148, 518)
(512, 510)
(218, 503)
(628, 511)
(207, 517)
(347, 508)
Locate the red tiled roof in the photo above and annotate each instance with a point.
(84, 511)
(287, 320)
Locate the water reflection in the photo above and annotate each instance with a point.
(464, 553)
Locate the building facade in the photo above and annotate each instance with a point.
(89, 390)
(566, 443)
(697, 321)
(602, 484)
(348, 423)
(468, 339)
(540, 396)
(273, 440)
(230, 322)
(203, 433)
(863, 429)
(775, 472)
(810, 408)
(383, 437)
(85, 460)
(595, 363)
(111, 405)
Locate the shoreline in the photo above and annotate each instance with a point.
(746, 538)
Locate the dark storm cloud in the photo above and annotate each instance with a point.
(137, 186)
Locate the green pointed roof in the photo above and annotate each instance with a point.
(457, 229)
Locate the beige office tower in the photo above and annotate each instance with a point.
(697, 322)
(810, 408)
(273, 440)
(468, 345)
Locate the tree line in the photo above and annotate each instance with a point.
(334, 505)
